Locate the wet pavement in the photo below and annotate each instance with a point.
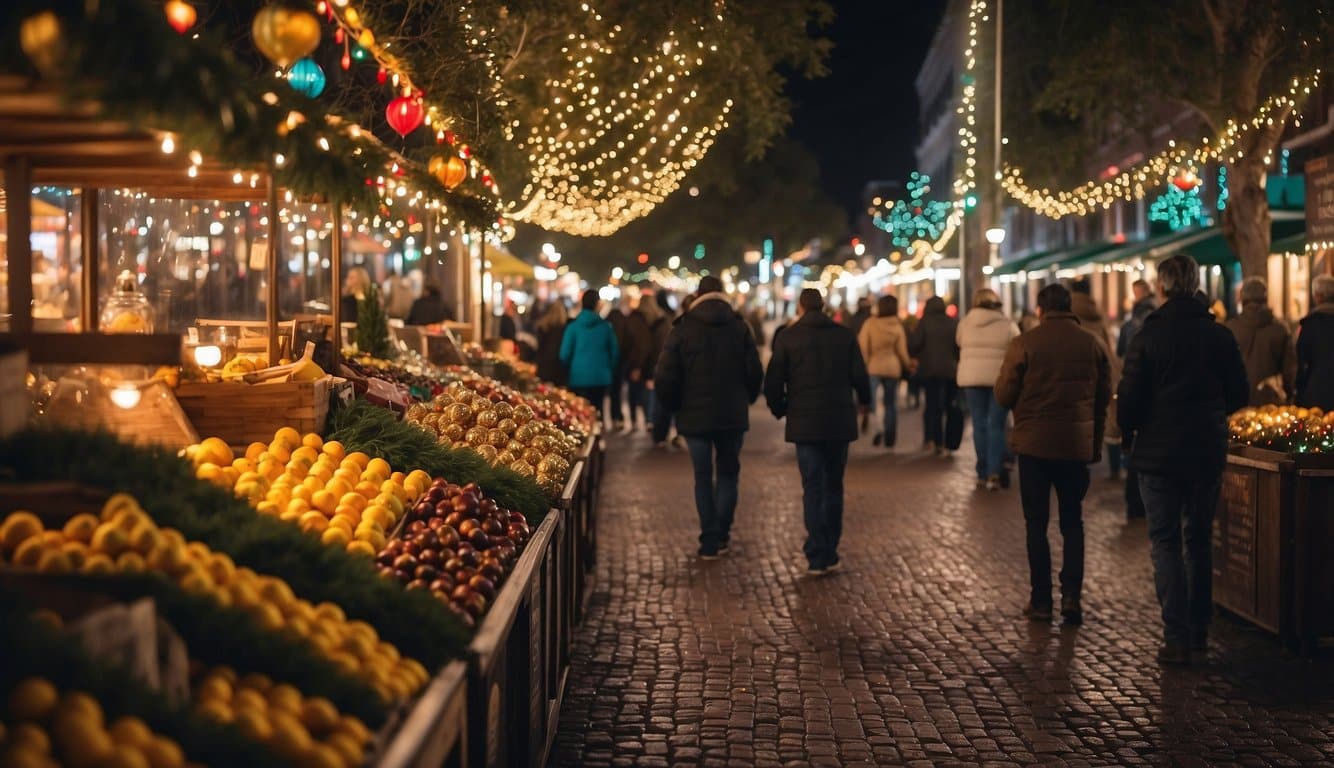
(913, 654)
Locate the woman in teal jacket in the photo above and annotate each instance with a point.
(589, 352)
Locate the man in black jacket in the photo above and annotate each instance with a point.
(708, 374)
(1315, 348)
(1183, 376)
(815, 369)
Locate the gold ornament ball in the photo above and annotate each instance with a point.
(285, 35)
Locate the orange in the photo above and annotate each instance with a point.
(253, 450)
(335, 536)
(312, 440)
(17, 528)
(360, 458)
(324, 501)
(335, 449)
(80, 528)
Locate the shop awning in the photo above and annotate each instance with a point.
(1291, 244)
(1214, 249)
(1070, 258)
(502, 263)
(1017, 265)
(1154, 247)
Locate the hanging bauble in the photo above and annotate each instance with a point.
(438, 167)
(404, 115)
(180, 15)
(455, 171)
(306, 77)
(285, 35)
(41, 39)
(1186, 180)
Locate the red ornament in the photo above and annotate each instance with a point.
(381, 76)
(1186, 181)
(338, 35)
(180, 15)
(449, 137)
(347, 61)
(404, 115)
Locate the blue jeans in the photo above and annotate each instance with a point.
(1182, 576)
(890, 389)
(988, 430)
(822, 466)
(715, 499)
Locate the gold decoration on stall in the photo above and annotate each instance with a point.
(285, 35)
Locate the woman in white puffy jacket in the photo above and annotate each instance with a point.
(983, 336)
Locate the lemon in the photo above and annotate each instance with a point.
(217, 449)
(254, 724)
(18, 528)
(129, 519)
(288, 436)
(77, 554)
(325, 501)
(117, 503)
(361, 547)
(98, 564)
(319, 714)
(286, 698)
(214, 687)
(255, 682)
(353, 726)
(209, 471)
(313, 522)
(330, 612)
(216, 710)
(253, 450)
(334, 449)
(34, 698)
(276, 591)
(269, 616)
(54, 561)
(22, 756)
(29, 736)
(249, 700)
(164, 753)
(80, 528)
(145, 538)
(290, 737)
(267, 507)
(124, 756)
(29, 552)
(348, 748)
(221, 568)
(321, 756)
(335, 536)
(109, 539)
(131, 562)
(132, 731)
(80, 739)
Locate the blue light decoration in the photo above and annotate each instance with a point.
(916, 218)
(1178, 209)
(1222, 188)
(306, 77)
(699, 251)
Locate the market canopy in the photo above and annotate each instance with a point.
(1017, 265)
(502, 263)
(1154, 247)
(1068, 259)
(1214, 249)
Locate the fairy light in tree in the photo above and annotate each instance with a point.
(915, 218)
(1178, 208)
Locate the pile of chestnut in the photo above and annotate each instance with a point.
(459, 544)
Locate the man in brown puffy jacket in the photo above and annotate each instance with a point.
(1265, 347)
(1056, 379)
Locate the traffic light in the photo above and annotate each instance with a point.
(643, 258)
(970, 202)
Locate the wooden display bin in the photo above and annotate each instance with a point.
(1272, 543)
(435, 731)
(245, 413)
(508, 701)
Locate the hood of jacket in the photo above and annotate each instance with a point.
(982, 317)
(713, 309)
(587, 317)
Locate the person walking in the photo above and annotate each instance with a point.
(1315, 348)
(708, 375)
(1056, 379)
(937, 354)
(983, 338)
(662, 415)
(1183, 376)
(883, 343)
(429, 308)
(589, 352)
(1144, 305)
(1265, 347)
(550, 329)
(617, 319)
(1094, 321)
(642, 344)
(815, 371)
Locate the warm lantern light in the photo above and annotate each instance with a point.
(208, 356)
(125, 396)
(996, 235)
(180, 15)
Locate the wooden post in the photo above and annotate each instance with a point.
(482, 282)
(89, 255)
(18, 188)
(271, 271)
(336, 278)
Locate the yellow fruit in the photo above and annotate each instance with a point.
(132, 562)
(299, 506)
(216, 710)
(29, 553)
(253, 450)
(214, 686)
(80, 528)
(129, 519)
(98, 564)
(335, 536)
(339, 486)
(288, 436)
(361, 548)
(271, 469)
(218, 449)
(285, 697)
(343, 522)
(360, 458)
(34, 698)
(256, 682)
(367, 489)
(145, 538)
(379, 466)
(393, 488)
(279, 452)
(17, 528)
(80, 739)
(198, 551)
(354, 500)
(124, 756)
(164, 753)
(210, 472)
(268, 507)
(269, 616)
(348, 748)
(313, 522)
(391, 501)
(335, 449)
(352, 725)
(221, 568)
(119, 502)
(290, 737)
(321, 756)
(54, 561)
(249, 699)
(324, 501)
(132, 731)
(319, 714)
(28, 736)
(379, 515)
(110, 539)
(254, 724)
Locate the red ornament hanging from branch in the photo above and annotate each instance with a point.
(405, 115)
(1186, 180)
(180, 15)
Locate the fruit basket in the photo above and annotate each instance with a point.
(244, 413)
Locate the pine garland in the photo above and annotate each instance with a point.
(378, 432)
(31, 647)
(417, 624)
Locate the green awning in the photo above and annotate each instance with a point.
(1153, 247)
(1071, 258)
(1215, 251)
(1017, 265)
(1292, 244)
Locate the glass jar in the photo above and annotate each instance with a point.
(126, 309)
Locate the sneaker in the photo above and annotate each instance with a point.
(1173, 654)
(814, 570)
(1037, 612)
(993, 483)
(708, 553)
(1071, 611)
(834, 566)
(723, 549)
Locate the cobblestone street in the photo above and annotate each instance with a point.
(915, 652)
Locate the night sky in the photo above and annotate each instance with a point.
(861, 119)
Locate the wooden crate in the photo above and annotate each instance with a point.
(245, 413)
(435, 732)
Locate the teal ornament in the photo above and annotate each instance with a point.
(306, 77)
